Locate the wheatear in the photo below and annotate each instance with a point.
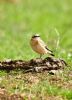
(39, 46)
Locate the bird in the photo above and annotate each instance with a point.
(39, 46)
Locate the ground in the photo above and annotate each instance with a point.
(53, 21)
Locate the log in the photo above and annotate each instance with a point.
(33, 65)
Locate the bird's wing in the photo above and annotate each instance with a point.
(51, 52)
(48, 49)
(41, 41)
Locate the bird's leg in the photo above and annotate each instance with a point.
(40, 56)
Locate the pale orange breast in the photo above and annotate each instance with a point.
(38, 47)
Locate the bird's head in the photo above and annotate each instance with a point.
(35, 36)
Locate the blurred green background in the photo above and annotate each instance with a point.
(20, 19)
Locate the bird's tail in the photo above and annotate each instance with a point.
(52, 54)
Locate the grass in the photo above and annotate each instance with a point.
(19, 21)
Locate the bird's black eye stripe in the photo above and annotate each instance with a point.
(35, 36)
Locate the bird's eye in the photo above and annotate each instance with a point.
(35, 36)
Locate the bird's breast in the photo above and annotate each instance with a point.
(38, 47)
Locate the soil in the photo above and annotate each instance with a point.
(49, 64)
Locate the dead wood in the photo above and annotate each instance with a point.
(35, 65)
